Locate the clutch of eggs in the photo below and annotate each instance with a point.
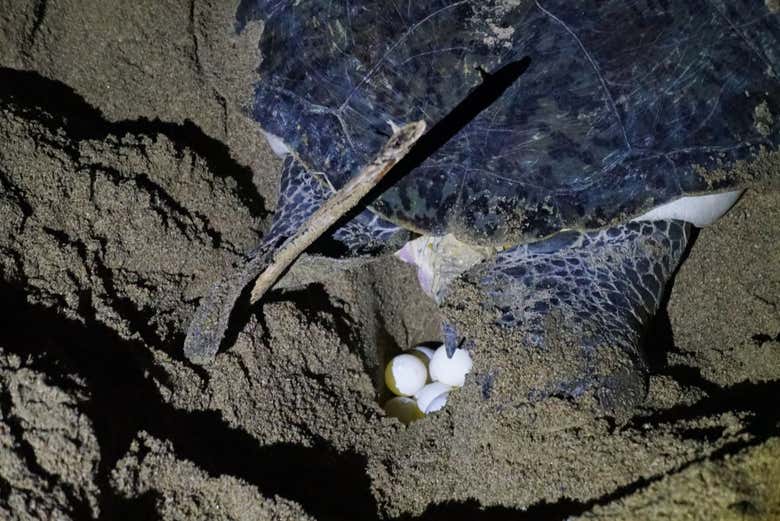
(422, 380)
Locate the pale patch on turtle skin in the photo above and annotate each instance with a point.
(699, 210)
(277, 145)
(440, 260)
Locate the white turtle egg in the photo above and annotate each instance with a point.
(432, 397)
(424, 354)
(405, 375)
(450, 371)
(404, 409)
(426, 351)
(437, 403)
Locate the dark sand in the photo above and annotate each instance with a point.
(131, 181)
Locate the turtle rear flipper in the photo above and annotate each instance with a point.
(305, 211)
(300, 195)
(604, 287)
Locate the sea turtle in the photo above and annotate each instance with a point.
(579, 182)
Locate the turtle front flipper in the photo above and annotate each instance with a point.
(305, 211)
(599, 290)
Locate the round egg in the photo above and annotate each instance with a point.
(450, 371)
(432, 397)
(437, 403)
(405, 375)
(404, 409)
(424, 354)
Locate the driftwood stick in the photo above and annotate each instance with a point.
(339, 204)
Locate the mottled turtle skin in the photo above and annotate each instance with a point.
(625, 106)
